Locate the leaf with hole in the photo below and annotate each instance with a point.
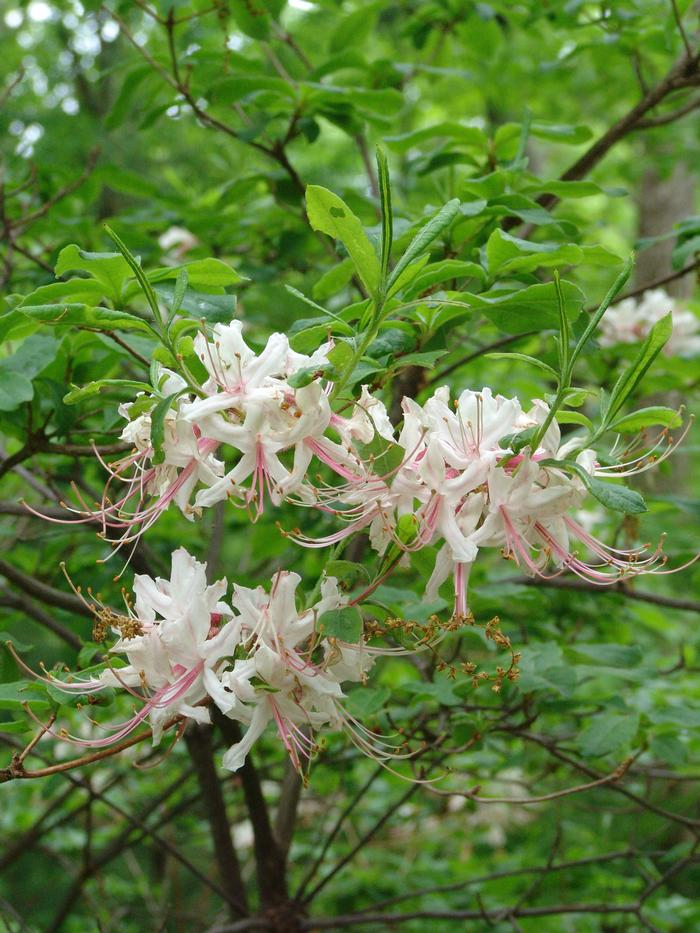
(330, 215)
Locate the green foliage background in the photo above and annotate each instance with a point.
(215, 117)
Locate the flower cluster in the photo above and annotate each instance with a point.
(458, 476)
(271, 408)
(258, 659)
(629, 321)
(457, 480)
(465, 488)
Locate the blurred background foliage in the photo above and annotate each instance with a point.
(192, 129)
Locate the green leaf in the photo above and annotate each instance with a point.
(32, 356)
(19, 646)
(645, 417)
(564, 342)
(566, 189)
(426, 358)
(331, 215)
(425, 237)
(509, 254)
(387, 222)
(121, 108)
(349, 106)
(17, 727)
(214, 308)
(353, 28)
(18, 371)
(253, 16)
(13, 695)
(682, 715)
(82, 316)
(79, 393)
(610, 655)
(89, 651)
(158, 424)
(201, 273)
(523, 357)
(595, 318)
(600, 256)
(562, 132)
(518, 205)
(392, 341)
(612, 496)
(344, 623)
(407, 528)
(542, 667)
(617, 498)
(518, 440)
(141, 278)
(669, 748)
(347, 572)
(384, 456)
(574, 417)
(470, 137)
(87, 291)
(367, 701)
(608, 733)
(633, 375)
(304, 377)
(110, 269)
(438, 272)
(529, 309)
(440, 690)
(178, 293)
(331, 282)
(408, 275)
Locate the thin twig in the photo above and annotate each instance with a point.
(551, 747)
(129, 349)
(473, 794)
(684, 73)
(12, 84)
(481, 351)
(361, 843)
(669, 117)
(681, 28)
(566, 583)
(62, 193)
(16, 770)
(350, 806)
(43, 592)
(663, 280)
(29, 608)
(540, 870)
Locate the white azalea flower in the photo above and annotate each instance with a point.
(282, 680)
(630, 320)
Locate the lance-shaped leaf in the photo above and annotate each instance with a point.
(158, 425)
(633, 375)
(611, 495)
(645, 418)
(78, 393)
(425, 237)
(387, 224)
(76, 315)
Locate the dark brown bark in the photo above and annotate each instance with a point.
(199, 744)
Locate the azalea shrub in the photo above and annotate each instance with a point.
(355, 519)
